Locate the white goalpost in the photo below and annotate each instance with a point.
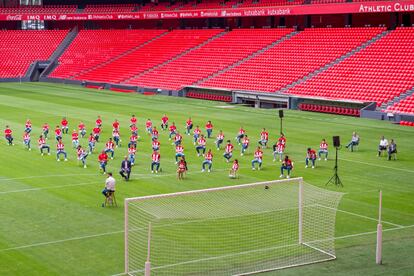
(231, 230)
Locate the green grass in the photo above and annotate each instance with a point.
(51, 222)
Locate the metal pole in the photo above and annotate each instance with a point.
(148, 263)
(126, 236)
(379, 232)
(300, 207)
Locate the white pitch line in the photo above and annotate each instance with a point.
(44, 176)
(377, 165)
(361, 216)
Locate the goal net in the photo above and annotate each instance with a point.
(232, 230)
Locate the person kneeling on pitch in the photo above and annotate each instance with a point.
(258, 158)
(43, 145)
(126, 166)
(287, 165)
(207, 161)
(109, 187)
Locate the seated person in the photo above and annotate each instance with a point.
(383, 145)
(354, 141)
(109, 187)
(392, 150)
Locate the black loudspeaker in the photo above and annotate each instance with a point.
(280, 113)
(336, 141)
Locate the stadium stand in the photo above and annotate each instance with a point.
(292, 59)
(95, 47)
(48, 9)
(150, 55)
(330, 109)
(405, 106)
(210, 58)
(378, 73)
(269, 3)
(18, 49)
(120, 8)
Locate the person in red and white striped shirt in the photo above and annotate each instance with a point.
(82, 154)
(240, 135)
(234, 169)
(58, 133)
(245, 144)
(154, 134)
(42, 145)
(82, 129)
(310, 155)
(219, 139)
(258, 158)
(323, 149)
(278, 149)
(131, 154)
(155, 157)
(264, 138)
(201, 145)
(155, 145)
(109, 147)
(148, 126)
(209, 129)
(75, 139)
(178, 139)
(196, 134)
(208, 160)
(117, 137)
(45, 130)
(28, 126)
(91, 143)
(179, 152)
(228, 151)
(60, 147)
(188, 126)
(26, 140)
(133, 140)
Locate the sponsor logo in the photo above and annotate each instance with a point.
(128, 16)
(63, 17)
(399, 7)
(152, 15)
(254, 12)
(209, 14)
(231, 13)
(33, 17)
(169, 15)
(188, 14)
(14, 17)
(49, 17)
(278, 11)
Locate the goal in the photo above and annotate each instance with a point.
(232, 230)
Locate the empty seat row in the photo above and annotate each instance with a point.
(330, 109)
(208, 96)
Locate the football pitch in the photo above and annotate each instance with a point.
(52, 222)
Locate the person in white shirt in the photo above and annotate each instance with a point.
(383, 145)
(109, 185)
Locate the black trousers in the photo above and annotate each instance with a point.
(125, 173)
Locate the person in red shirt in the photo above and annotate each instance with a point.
(208, 160)
(182, 168)
(310, 155)
(177, 139)
(264, 138)
(197, 133)
(26, 140)
(258, 158)
(109, 147)
(64, 125)
(155, 145)
(323, 149)
(28, 126)
(240, 135)
(245, 144)
(133, 140)
(133, 120)
(164, 122)
(282, 139)
(209, 129)
(278, 149)
(8, 134)
(42, 145)
(131, 154)
(154, 134)
(134, 130)
(82, 129)
(173, 130)
(45, 130)
(228, 151)
(58, 133)
(188, 126)
(91, 143)
(287, 165)
(96, 133)
(98, 122)
(60, 149)
(201, 145)
(219, 139)
(115, 125)
(75, 139)
(155, 157)
(234, 169)
(148, 126)
(103, 161)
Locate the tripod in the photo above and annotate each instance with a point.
(335, 178)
